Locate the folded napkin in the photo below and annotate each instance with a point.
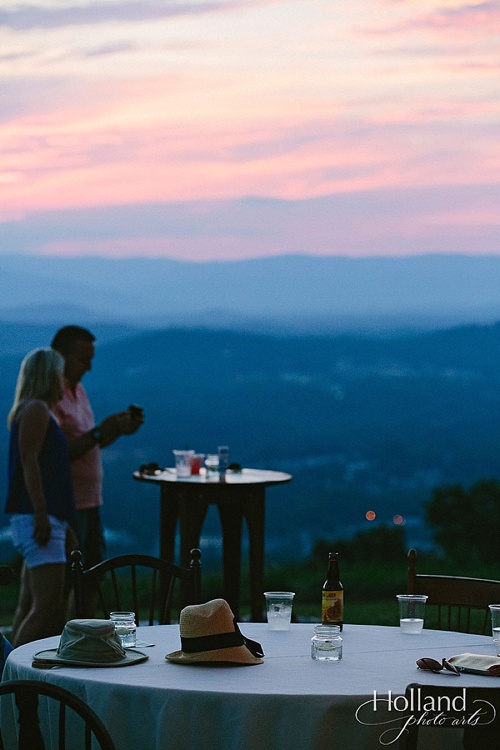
(477, 664)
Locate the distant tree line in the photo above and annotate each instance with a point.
(464, 524)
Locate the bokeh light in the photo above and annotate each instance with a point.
(398, 520)
(370, 515)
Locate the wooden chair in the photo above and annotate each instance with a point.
(87, 728)
(449, 715)
(124, 582)
(457, 598)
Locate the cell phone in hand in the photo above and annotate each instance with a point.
(135, 411)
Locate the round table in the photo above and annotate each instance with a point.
(289, 701)
(240, 496)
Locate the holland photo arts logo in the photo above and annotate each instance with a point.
(394, 714)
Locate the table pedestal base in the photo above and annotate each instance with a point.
(187, 504)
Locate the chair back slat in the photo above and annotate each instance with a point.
(101, 600)
(487, 619)
(153, 596)
(168, 600)
(30, 735)
(116, 590)
(135, 601)
(62, 726)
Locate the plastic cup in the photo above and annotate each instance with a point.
(279, 609)
(197, 462)
(411, 612)
(495, 625)
(183, 462)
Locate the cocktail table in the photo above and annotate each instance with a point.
(185, 501)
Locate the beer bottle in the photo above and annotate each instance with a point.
(333, 594)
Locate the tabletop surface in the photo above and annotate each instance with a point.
(245, 476)
(374, 657)
(289, 701)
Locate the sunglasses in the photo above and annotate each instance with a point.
(431, 665)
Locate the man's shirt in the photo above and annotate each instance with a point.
(76, 417)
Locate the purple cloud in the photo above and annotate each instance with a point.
(26, 17)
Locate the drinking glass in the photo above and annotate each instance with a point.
(411, 612)
(212, 464)
(125, 627)
(279, 609)
(326, 643)
(197, 462)
(183, 462)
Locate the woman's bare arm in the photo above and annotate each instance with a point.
(33, 422)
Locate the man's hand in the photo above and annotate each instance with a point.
(122, 423)
(136, 415)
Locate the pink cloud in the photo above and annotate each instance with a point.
(391, 221)
(461, 23)
(118, 155)
(79, 132)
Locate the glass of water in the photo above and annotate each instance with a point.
(212, 464)
(326, 643)
(279, 609)
(125, 627)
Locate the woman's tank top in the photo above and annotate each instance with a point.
(55, 470)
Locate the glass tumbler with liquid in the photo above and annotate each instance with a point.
(125, 627)
(326, 643)
(411, 613)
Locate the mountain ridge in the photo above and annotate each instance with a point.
(277, 292)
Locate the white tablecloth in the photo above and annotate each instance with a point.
(288, 703)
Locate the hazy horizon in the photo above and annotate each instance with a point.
(270, 294)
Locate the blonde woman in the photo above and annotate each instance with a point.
(40, 496)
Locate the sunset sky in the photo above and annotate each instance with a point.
(226, 129)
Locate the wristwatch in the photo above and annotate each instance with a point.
(95, 434)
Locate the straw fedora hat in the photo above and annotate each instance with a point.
(209, 633)
(89, 643)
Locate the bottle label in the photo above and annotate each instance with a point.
(332, 606)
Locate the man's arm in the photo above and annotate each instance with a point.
(110, 429)
(80, 445)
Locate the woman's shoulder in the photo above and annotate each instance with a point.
(33, 408)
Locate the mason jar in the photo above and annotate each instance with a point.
(124, 623)
(326, 643)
